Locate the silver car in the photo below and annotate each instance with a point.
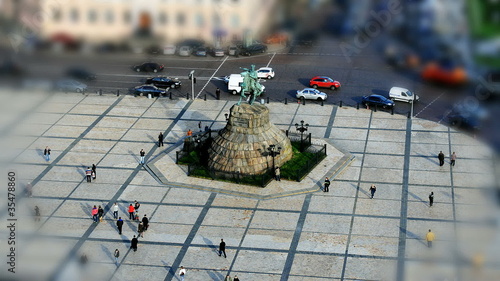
(311, 94)
(70, 85)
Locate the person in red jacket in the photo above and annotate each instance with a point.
(131, 211)
(94, 213)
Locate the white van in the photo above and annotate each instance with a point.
(185, 51)
(402, 94)
(234, 84)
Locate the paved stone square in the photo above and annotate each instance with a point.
(298, 233)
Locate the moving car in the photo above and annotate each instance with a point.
(148, 67)
(164, 82)
(265, 72)
(324, 82)
(311, 94)
(468, 117)
(148, 89)
(444, 73)
(80, 74)
(234, 84)
(402, 94)
(377, 100)
(253, 49)
(70, 85)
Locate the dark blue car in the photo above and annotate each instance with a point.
(377, 100)
(164, 82)
(148, 89)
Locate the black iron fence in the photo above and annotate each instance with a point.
(297, 169)
(197, 170)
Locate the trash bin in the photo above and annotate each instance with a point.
(149, 96)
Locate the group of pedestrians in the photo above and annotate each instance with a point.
(91, 173)
(453, 158)
(97, 214)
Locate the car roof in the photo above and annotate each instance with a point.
(312, 89)
(397, 89)
(380, 96)
(266, 68)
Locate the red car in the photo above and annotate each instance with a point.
(324, 82)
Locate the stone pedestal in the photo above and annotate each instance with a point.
(242, 146)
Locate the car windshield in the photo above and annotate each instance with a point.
(315, 91)
(410, 94)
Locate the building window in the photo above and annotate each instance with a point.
(56, 15)
(181, 19)
(199, 20)
(162, 18)
(110, 17)
(74, 15)
(92, 16)
(127, 17)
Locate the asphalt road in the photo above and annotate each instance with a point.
(362, 74)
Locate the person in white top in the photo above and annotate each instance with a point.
(182, 273)
(115, 211)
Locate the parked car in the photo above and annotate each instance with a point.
(164, 82)
(218, 52)
(265, 72)
(311, 94)
(148, 89)
(324, 82)
(185, 51)
(233, 50)
(169, 49)
(201, 52)
(191, 43)
(377, 100)
(253, 49)
(402, 94)
(70, 85)
(149, 67)
(80, 74)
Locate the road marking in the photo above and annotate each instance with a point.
(211, 78)
(429, 104)
(271, 59)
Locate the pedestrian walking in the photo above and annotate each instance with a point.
(100, 213)
(373, 188)
(228, 278)
(131, 211)
(88, 173)
(28, 190)
(236, 278)
(119, 224)
(83, 259)
(145, 221)
(429, 237)
(37, 213)
(431, 199)
(222, 248)
(137, 205)
(115, 210)
(441, 158)
(136, 215)
(117, 255)
(46, 153)
(95, 213)
(182, 273)
(133, 244)
(453, 158)
(277, 173)
(327, 185)
(142, 153)
(140, 229)
(160, 139)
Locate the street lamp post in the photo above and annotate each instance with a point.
(273, 152)
(193, 80)
(302, 128)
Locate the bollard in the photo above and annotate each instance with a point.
(303, 101)
(170, 94)
(117, 93)
(217, 95)
(409, 114)
(375, 108)
(205, 98)
(392, 110)
(286, 101)
(187, 96)
(322, 102)
(267, 100)
(340, 104)
(357, 105)
(100, 92)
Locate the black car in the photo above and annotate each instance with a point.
(148, 67)
(80, 74)
(377, 100)
(164, 82)
(468, 118)
(253, 49)
(148, 89)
